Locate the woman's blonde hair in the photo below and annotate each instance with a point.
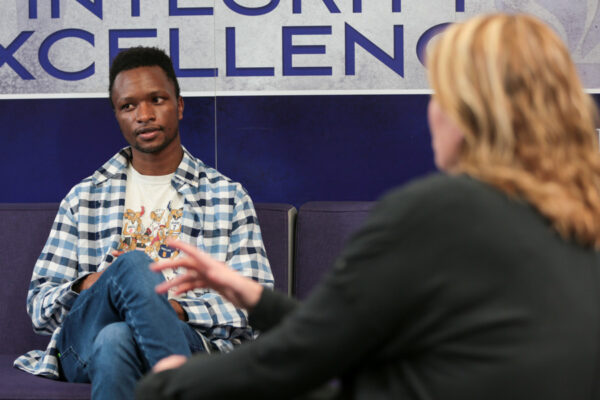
(510, 84)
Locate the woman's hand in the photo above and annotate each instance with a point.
(169, 362)
(203, 271)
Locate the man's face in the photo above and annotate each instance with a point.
(146, 108)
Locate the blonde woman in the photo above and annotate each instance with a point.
(481, 282)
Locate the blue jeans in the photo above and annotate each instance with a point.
(119, 328)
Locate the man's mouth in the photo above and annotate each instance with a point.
(148, 133)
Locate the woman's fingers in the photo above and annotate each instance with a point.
(203, 271)
(166, 285)
(184, 287)
(186, 262)
(203, 259)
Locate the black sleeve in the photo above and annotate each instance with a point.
(271, 308)
(361, 303)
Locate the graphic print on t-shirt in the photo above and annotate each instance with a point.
(151, 237)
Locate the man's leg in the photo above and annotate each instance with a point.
(115, 364)
(123, 293)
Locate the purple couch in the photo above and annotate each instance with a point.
(322, 228)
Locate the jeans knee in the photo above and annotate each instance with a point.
(113, 339)
(115, 355)
(132, 259)
(134, 266)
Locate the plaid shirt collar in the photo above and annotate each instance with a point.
(187, 171)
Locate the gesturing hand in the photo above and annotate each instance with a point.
(203, 271)
(169, 362)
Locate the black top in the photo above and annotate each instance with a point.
(451, 290)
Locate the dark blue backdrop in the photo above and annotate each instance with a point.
(288, 149)
(282, 148)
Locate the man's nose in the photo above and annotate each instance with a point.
(145, 112)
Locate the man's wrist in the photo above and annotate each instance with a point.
(76, 286)
(181, 313)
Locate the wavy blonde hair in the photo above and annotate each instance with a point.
(510, 84)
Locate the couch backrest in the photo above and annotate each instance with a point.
(24, 229)
(322, 229)
(277, 222)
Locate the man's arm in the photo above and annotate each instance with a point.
(50, 293)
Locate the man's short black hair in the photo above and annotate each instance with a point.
(140, 56)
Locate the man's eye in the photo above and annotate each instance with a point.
(158, 100)
(126, 107)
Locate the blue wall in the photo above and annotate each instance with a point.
(288, 149)
(282, 148)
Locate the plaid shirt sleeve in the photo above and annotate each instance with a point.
(50, 296)
(222, 323)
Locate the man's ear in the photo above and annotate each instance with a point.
(180, 107)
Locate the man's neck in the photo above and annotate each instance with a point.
(163, 163)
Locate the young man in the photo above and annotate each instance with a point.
(94, 295)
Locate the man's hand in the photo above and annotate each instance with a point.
(203, 271)
(87, 282)
(117, 253)
(181, 314)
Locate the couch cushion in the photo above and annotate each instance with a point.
(24, 229)
(16, 384)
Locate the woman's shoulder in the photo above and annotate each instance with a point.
(449, 201)
(440, 188)
(445, 199)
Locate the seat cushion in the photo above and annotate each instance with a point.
(24, 229)
(16, 384)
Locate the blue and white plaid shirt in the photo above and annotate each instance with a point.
(218, 218)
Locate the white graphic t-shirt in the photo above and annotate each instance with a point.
(153, 213)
